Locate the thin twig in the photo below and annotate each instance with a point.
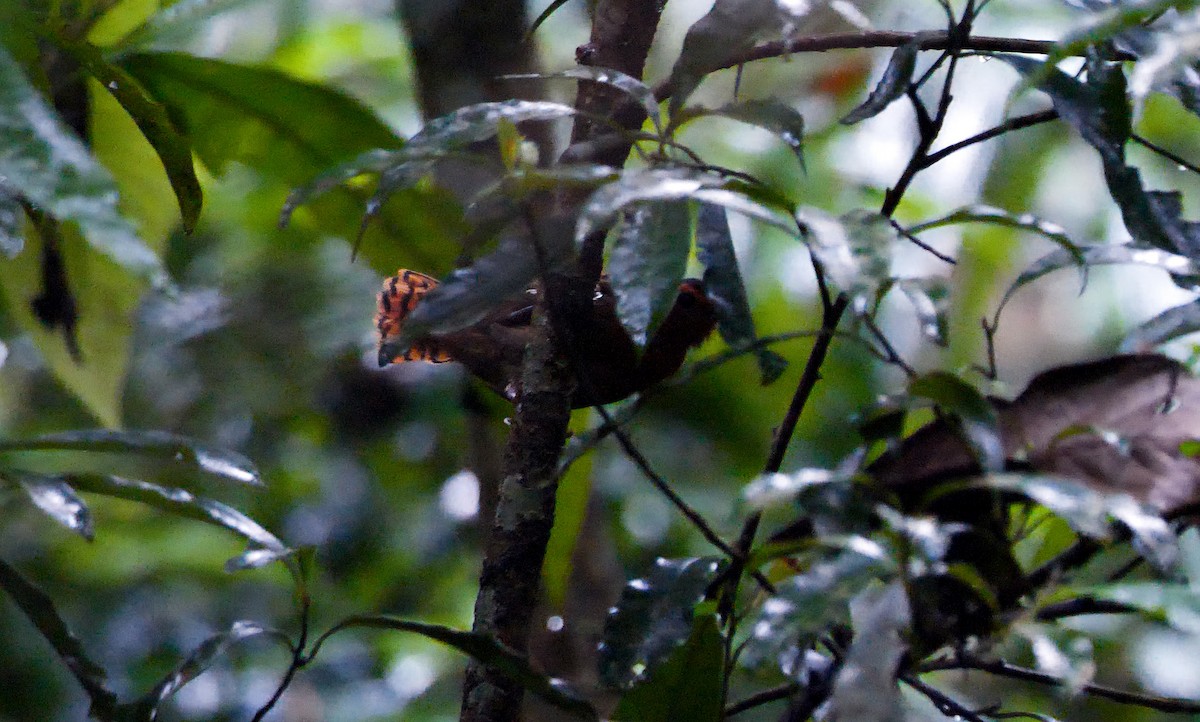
(945, 704)
(299, 659)
(1001, 668)
(1080, 606)
(766, 696)
(912, 237)
(1178, 160)
(1022, 121)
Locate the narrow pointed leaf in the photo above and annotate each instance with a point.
(930, 299)
(52, 169)
(998, 216)
(770, 114)
(172, 147)
(724, 286)
(482, 121)
(647, 264)
(653, 618)
(371, 161)
(159, 444)
(484, 649)
(41, 611)
(892, 85)
(179, 502)
(176, 19)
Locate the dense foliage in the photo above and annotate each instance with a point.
(217, 507)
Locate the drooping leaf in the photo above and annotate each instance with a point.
(828, 499)
(892, 85)
(627, 84)
(647, 263)
(12, 224)
(653, 618)
(200, 659)
(724, 286)
(158, 444)
(976, 416)
(179, 502)
(1061, 654)
(1170, 324)
(726, 32)
(173, 148)
(50, 168)
(176, 18)
(687, 686)
(767, 113)
(371, 161)
(1183, 269)
(998, 216)
(483, 648)
(42, 613)
(54, 497)
(666, 184)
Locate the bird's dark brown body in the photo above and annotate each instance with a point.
(493, 349)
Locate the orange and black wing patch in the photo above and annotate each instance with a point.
(400, 295)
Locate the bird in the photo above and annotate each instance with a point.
(492, 349)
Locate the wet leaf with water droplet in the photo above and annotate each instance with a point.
(647, 263)
(653, 617)
(892, 85)
(55, 497)
(687, 686)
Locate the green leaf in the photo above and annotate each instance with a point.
(769, 114)
(892, 85)
(688, 686)
(647, 263)
(930, 298)
(667, 184)
(40, 610)
(182, 503)
(855, 249)
(286, 128)
(976, 415)
(998, 216)
(54, 497)
(157, 444)
(43, 162)
(723, 284)
(653, 618)
(482, 648)
(173, 149)
(106, 295)
(176, 18)
(371, 161)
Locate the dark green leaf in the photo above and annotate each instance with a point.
(180, 503)
(371, 161)
(43, 162)
(688, 686)
(930, 298)
(975, 413)
(12, 224)
(653, 617)
(1170, 324)
(55, 497)
(724, 286)
(159, 444)
(892, 85)
(173, 149)
(484, 649)
(40, 610)
(647, 263)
